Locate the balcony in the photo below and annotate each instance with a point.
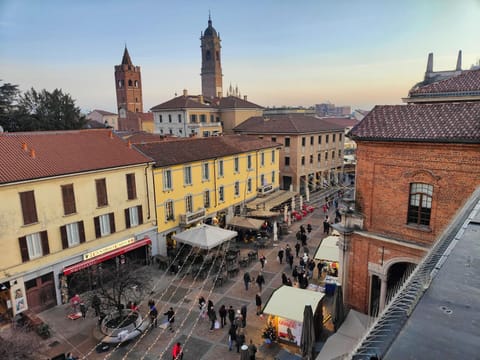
(192, 217)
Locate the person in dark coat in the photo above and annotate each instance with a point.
(309, 228)
(232, 336)
(223, 315)
(96, 303)
(246, 279)
(252, 350)
(280, 255)
(240, 339)
(262, 260)
(231, 314)
(243, 311)
(258, 302)
(209, 305)
(288, 251)
(260, 280)
(212, 316)
(326, 226)
(297, 248)
(170, 318)
(284, 279)
(290, 260)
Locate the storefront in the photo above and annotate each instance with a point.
(84, 275)
(329, 254)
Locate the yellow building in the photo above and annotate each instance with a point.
(70, 200)
(207, 179)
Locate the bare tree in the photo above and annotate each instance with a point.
(18, 343)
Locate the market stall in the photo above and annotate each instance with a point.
(205, 236)
(329, 254)
(286, 309)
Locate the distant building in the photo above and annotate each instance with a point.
(289, 110)
(105, 118)
(327, 109)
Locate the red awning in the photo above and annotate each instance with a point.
(99, 259)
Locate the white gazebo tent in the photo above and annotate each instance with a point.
(328, 249)
(287, 304)
(205, 236)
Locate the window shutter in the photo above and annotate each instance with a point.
(68, 197)
(23, 248)
(45, 247)
(96, 221)
(102, 199)
(29, 208)
(81, 231)
(127, 218)
(63, 235)
(112, 223)
(131, 187)
(140, 214)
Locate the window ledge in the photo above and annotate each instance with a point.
(423, 228)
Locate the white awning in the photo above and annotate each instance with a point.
(205, 236)
(328, 249)
(289, 302)
(245, 222)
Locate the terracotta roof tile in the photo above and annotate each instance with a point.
(181, 102)
(143, 137)
(341, 121)
(286, 124)
(186, 150)
(442, 122)
(467, 81)
(62, 152)
(233, 102)
(103, 112)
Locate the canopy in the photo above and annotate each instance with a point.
(271, 201)
(263, 213)
(246, 222)
(328, 249)
(346, 338)
(289, 302)
(205, 236)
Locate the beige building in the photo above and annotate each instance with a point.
(312, 151)
(65, 210)
(105, 118)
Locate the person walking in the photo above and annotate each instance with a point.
(243, 311)
(153, 313)
(232, 336)
(252, 350)
(246, 279)
(284, 278)
(240, 339)
(212, 316)
(260, 280)
(258, 302)
(96, 303)
(83, 309)
(170, 318)
(288, 251)
(280, 255)
(297, 248)
(263, 260)
(231, 315)
(290, 260)
(309, 228)
(223, 315)
(177, 352)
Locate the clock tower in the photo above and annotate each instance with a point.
(211, 62)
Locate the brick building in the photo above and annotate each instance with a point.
(417, 164)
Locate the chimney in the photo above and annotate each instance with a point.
(200, 99)
(245, 97)
(459, 61)
(129, 144)
(430, 63)
(24, 146)
(32, 153)
(185, 92)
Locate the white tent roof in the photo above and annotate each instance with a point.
(245, 222)
(205, 236)
(328, 249)
(289, 302)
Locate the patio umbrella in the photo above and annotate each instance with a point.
(308, 333)
(338, 308)
(301, 202)
(275, 231)
(293, 203)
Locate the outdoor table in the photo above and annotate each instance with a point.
(244, 261)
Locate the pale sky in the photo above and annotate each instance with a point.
(278, 52)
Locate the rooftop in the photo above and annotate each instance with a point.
(466, 82)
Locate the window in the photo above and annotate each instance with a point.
(249, 185)
(303, 160)
(273, 177)
(303, 141)
(334, 136)
(220, 168)
(205, 172)
(187, 175)
(262, 159)
(274, 139)
(339, 154)
(130, 83)
(133, 216)
(179, 118)
(287, 142)
(221, 193)
(312, 140)
(188, 203)
(72, 234)
(29, 209)
(120, 83)
(206, 199)
(340, 137)
(104, 225)
(326, 138)
(131, 187)
(160, 118)
(287, 161)
(319, 139)
(333, 155)
(68, 197)
(420, 204)
(136, 85)
(311, 159)
(169, 214)
(34, 246)
(262, 179)
(169, 118)
(167, 179)
(101, 186)
(236, 166)
(203, 118)
(193, 118)
(273, 156)
(212, 118)
(319, 157)
(326, 155)
(249, 162)
(237, 188)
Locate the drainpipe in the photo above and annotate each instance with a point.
(148, 192)
(215, 181)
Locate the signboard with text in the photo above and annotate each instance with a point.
(290, 330)
(108, 248)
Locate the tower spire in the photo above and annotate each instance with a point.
(126, 57)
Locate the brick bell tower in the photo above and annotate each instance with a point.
(128, 83)
(211, 62)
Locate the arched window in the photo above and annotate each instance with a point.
(420, 204)
(208, 55)
(136, 83)
(120, 84)
(130, 83)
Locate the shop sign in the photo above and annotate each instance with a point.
(17, 293)
(108, 248)
(290, 330)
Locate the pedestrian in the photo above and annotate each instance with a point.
(288, 251)
(302, 229)
(177, 352)
(153, 313)
(309, 228)
(238, 322)
(280, 255)
(284, 279)
(212, 316)
(258, 302)
(231, 314)
(170, 318)
(75, 302)
(338, 216)
(326, 226)
(243, 311)
(297, 248)
(263, 260)
(210, 305)
(304, 239)
(295, 273)
(83, 309)
(290, 260)
(260, 280)
(298, 235)
(223, 315)
(289, 282)
(252, 350)
(246, 279)
(320, 269)
(240, 339)
(306, 250)
(232, 336)
(96, 303)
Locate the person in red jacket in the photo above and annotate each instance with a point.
(177, 352)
